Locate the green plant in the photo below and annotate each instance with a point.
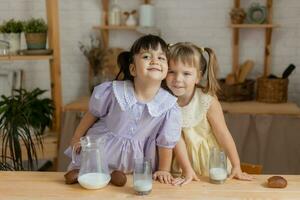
(23, 119)
(4, 166)
(11, 26)
(35, 25)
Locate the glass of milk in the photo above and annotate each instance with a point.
(217, 166)
(142, 176)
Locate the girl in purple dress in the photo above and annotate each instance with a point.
(136, 117)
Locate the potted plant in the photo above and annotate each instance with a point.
(35, 30)
(23, 119)
(11, 31)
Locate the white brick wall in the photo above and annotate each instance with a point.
(204, 22)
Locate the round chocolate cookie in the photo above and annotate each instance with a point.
(277, 182)
(71, 176)
(118, 178)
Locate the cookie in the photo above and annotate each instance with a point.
(277, 182)
(71, 176)
(118, 178)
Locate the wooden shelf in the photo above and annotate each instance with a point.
(26, 57)
(253, 25)
(50, 141)
(268, 38)
(54, 59)
(115, 27)
(105, 28)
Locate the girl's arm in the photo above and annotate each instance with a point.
(86, 122)
(216, 119)
(184, 162)
(164, 165)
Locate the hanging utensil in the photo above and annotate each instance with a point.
(287, 72)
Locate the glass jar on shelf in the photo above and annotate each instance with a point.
(115, 12)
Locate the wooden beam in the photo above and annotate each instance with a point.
(54, 43)
(270, 12)
(105, 33)
(267, 54)
(105, 37)
(235, 52)
(105, 7)
(254, 25)
(26, 57)
(268, 40)
(236, 3)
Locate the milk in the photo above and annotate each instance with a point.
(143, 185)
(217, 174)
(93, 180)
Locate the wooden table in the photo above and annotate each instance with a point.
(50, 185)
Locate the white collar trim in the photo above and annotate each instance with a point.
(124, 93)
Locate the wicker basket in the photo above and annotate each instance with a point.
(272, 90)
(236, 92)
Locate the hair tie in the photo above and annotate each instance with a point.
(169, 45)
(202, 49)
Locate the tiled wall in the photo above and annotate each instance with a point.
(204, 22)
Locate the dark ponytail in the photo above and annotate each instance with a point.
(124, 60)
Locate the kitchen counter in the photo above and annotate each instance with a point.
(50, 185)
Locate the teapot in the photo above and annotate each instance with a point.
(94, 172)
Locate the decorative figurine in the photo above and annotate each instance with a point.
(130, 18)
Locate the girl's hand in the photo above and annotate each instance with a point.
(186, 178)
(163, 177)
(74, 144)
(237, 173)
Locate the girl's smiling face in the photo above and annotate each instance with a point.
(182, 79)
(150, 65)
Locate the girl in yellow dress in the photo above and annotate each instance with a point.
(203, 125)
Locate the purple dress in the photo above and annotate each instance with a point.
(132, 129)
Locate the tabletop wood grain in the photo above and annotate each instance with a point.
(51, 186)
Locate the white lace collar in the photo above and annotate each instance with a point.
(194, 112)
(124, 93)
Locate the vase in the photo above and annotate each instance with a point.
(14, 40)
(146, 18)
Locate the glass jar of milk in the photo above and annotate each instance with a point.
(94, 172)
(217, 166)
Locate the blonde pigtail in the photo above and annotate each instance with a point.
(212, 86)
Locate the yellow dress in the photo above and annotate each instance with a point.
(197, 134)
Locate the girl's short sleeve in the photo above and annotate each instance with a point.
(170, 130)
(101, 99)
